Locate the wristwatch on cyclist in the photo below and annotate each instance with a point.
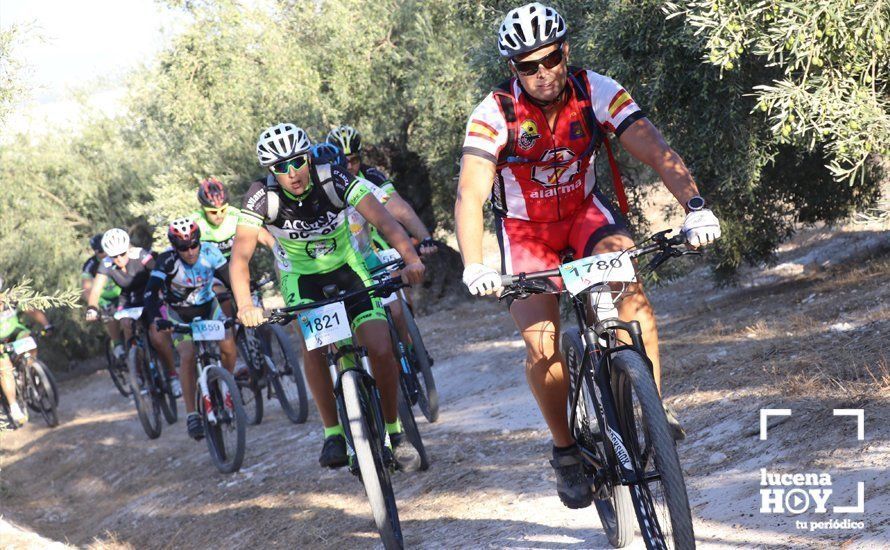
(695, 204)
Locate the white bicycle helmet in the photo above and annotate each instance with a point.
(115, 242)
(281, 142)
(347, 139)
(528, 28)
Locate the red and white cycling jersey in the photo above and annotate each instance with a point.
(550, 174)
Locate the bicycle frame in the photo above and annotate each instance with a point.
(204, 359)
(600, 343)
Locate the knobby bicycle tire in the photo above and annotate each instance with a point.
(284, 373)
(616, 513)
(165, 398)
(648, 439)
(231, 421)
(429, 398)
(368, 447)
(147, 408)
(42, 387)
(251, 394)
(116, 370)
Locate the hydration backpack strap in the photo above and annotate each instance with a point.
(326, 180)
(272, 199)
(504, 96)
(598, 135)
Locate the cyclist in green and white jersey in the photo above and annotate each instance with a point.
(304, 207)
(12, 327)
(108, 300)
(217, 219)
(349, 141)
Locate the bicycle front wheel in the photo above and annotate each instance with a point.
(251, 394)
(368, 445)
(147, 408)
(116, 369)
(661, 502)
(44, 397)
(225, 434)
(616, 511)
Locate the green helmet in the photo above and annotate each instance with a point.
(347, 139)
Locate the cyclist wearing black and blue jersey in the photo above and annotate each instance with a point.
(185, 273)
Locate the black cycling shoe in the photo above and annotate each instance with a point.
(677, 431)
(333, 453)
(572, 484)
(407, 457)
(195, 426)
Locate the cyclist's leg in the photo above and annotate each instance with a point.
(7, 379)
(537, 319)
(187, 375)
(301, 289)
(527, 247)
(163, 345)
(373, 334)
(635, 305)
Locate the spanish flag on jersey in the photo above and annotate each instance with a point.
(482, 130)
(621, 100)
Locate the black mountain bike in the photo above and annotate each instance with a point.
(418, 384)
(33, 386)
(149, 381)
(217, 397)
(273, 369)
(635, 468)
(358, 399)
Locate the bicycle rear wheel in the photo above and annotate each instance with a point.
(368, 446)
(251, 394)
(284, 372)
(165, 393)
(42, 394)
(615, 512)
(412, 433)
(147, 408)
(226, 435)
(661, 502)
(428, 396)
(116, 370)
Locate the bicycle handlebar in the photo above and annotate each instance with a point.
(379, 290)
(667, 247)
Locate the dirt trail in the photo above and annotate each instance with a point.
(803, 339)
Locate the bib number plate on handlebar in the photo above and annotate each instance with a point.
(208, 331)
(324, 325)
(23, 345)
(388, 255)
(582, 274)
(129, 313)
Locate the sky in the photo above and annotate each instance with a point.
(73, 43)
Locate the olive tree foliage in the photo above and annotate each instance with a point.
(12, 88)
(832, 59)
(761, 179)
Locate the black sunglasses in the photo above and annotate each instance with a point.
(529, 68)
(188, 247)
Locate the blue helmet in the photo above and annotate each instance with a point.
(324, 153)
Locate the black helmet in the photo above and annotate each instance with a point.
(347, 139)
(96, 243)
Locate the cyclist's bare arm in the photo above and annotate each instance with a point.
(86, 285)
(643, 140)
(246, 238)
(37, 316)
(96, 291)
(374, 212)
(473, 189)
(402, 211)
(265, 238)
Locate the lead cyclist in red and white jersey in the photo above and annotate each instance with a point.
(530, 147)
